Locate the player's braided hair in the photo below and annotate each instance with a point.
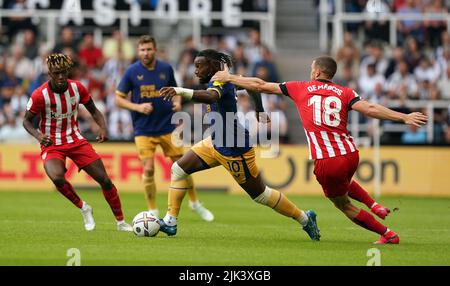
(216, 56)
(59, 61)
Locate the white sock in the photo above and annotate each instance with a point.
(120, 221)
(374, 204)
(303, 218)
(84, 207)
(387, 230)
(170, 220)
(155, 212)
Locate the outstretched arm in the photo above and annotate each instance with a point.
(250, 83)
(203, 96)
(380, 112)
(99, 119)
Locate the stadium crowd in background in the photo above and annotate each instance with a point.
(416, 68)
(99, 68)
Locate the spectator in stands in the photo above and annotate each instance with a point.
(407, 28)
(346, 77)
(427, 71)
(434, 28)
(348, 55)
(397, 55)
(116, 44)
(30, 45)
(447, 135)
(240, 61)
(414, 135)
(19, 101)
(402, 84)
(253, 47)
(23, 66)
(413, 54)
(268, 63)
(444, 84)
(89, 54)
(369, 81)
(444, 43)
(119, 120)
(376, 56)
(12, 130)
(67, 40)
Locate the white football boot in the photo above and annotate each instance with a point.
(86, 212)
(203, 212)
(123, 226)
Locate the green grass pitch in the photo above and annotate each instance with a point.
(39, 228)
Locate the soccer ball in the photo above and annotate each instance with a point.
(145, 224)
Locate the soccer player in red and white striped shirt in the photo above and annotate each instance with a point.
(323, 107)
(56, 103)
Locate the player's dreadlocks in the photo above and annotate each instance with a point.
(216, 56)
(58, 61)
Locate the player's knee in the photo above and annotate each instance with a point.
(106, 183)
(59, 181)
(177, 173)
(149, 172)
(263, 198)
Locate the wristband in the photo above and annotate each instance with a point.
(186, 93)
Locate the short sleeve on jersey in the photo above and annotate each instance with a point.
(291, 89)
(36, 103)
(125, 84)
(84, 93)
(217, 86)
(352, 97)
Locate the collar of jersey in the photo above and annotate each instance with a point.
(150, 69)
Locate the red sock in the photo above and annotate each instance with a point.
(355, 191)
(68, 191)
(367, 221)
(112, 197)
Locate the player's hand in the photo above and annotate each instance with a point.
(222, 76)
(176, 106)
(101, 137)
(262, 117)
(167, 92)
(416, 119)
(145, 108)
(45, 140)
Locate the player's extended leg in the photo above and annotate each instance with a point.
(262, 194)
(97, 171)
(365, 220)
(355, 191)
(194, 203)
(55, 170)
(188, 164)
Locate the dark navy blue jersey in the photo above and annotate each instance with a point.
(144, 85)
(234, 139)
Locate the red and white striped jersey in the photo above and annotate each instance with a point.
(323, 107)
(59, 111)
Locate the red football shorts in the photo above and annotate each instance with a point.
(335, 174)
(81, 153)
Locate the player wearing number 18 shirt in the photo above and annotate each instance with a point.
(323, 107)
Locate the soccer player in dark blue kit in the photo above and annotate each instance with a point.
(238, 158)
(151, 116)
